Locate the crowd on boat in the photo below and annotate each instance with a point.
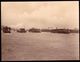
(7, 29)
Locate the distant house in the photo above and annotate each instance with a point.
(65, 31)
(74, 31)
(35, 30)
(45, 30)
(21, 30)
(6, 29)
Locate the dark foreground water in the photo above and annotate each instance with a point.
(40, 46)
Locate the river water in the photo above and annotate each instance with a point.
(39, 46)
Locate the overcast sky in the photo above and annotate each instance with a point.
(61, 14)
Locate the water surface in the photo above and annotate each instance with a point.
(40, 46)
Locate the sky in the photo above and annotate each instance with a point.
(60, 14)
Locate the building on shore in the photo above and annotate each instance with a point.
(34, 30)
(21, 30)
(45, 30)
(74, 31)
(6, 29)
(65, 31)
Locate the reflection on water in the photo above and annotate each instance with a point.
(40, 46)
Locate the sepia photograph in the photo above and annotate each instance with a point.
(39, 30)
